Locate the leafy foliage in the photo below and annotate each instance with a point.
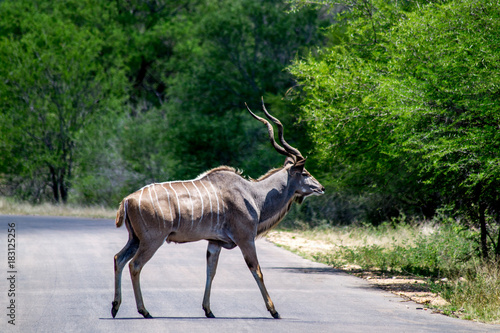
(236, 54)
(54, 84)
(449, 108)
(99, 98)
(404, 105)
(348, 117)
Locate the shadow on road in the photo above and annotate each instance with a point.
(309, 270)
(191, 318)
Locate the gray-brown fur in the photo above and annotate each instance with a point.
(220, 206)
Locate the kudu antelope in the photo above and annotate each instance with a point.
(220, 206)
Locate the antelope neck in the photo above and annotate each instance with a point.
(273, 196)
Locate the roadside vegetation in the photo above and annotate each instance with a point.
(436, 263)
(10, 206)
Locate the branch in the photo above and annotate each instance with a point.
(491, 239)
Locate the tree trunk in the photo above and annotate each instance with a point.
(54, 185)
(63, 189)
(59, 186)
(482, 221)
(497, 248)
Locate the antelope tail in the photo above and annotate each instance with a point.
(121, 215)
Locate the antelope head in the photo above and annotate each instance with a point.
(301, 180)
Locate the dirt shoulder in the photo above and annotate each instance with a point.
(409, 287)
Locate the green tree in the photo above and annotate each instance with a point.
(447, 94)
(53, 84)
(153, 30)
(410, 111)
(170, 79)
(349, 121)
(235, 53)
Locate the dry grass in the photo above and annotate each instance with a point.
(477, 297)
(435, 265)
(316, 244)
(9, 206)
(313, 241)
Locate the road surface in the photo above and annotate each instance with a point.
(63, 282)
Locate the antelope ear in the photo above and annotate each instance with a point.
(288, 160)
(298, 166)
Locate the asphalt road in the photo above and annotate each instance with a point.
(63, 282)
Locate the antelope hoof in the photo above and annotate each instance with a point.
(114, 308)
(209, 314)
(145, 314)
(276, 315)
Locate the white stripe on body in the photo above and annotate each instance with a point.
(178, 206)
(159, 206)
(192, 206)
(223, 208)
(169, 207)
(152, 202)
(215, 192)
(196, 187)
(140, 198)
(210, 200)
(125, 206)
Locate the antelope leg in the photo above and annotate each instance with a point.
(144, 253)
(213, 252)
(250, 255)
(121, 258)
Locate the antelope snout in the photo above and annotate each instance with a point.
(320, 190)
